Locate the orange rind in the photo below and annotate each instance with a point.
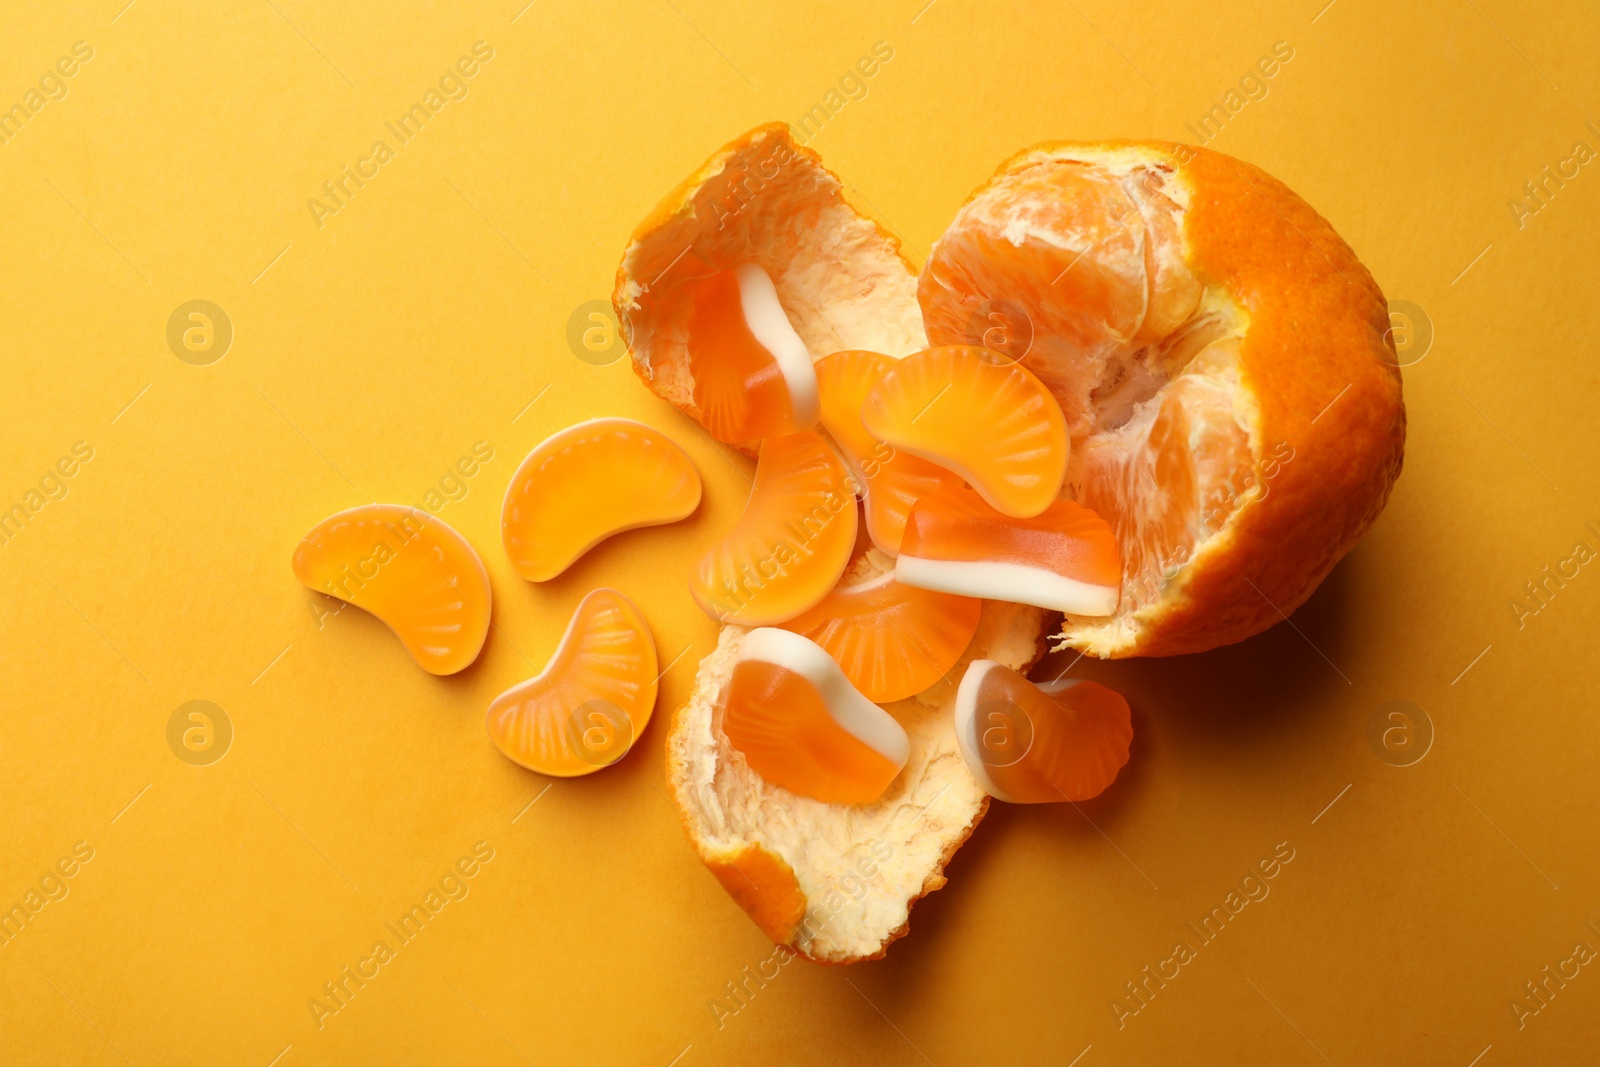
(790, 545)
(1040, 744)
(594, 697)
(411, 570)
(1064, 559)
(589, 482)
(979, 414)
(752, 373)
(800, 724)
(892, 640)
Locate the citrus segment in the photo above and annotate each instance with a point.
(583, 484)
(890, 480)
(752, 373)
(591, 701)
(1038, 744)
(1064, 559)
(977, 413)
(891, 640)
(801, 725)
(411, 570)
(792, 542)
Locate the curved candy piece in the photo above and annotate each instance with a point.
(591, 701)
(801, 725)
(1065, 559)
(583, 484)
(409, 569)
(1040, 744)
(891, 640)
(792, 542)
(977, 413)
(752, 373)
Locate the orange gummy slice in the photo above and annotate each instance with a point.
(792, 542)
(585, 483)
(1038, 744)
(891, 640)
(417, 574)
(1065, 559)
(980, 415)
(752, 373)
(890, 480)
(591, 701)
(803, 726)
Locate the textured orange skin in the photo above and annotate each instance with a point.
(1318, 323)
(764, 885)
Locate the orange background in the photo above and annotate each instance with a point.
(429, 312)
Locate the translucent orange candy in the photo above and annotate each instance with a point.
(1065, 559)
(752, 373)
(1040, 744)
(891, 640)
(583, 484)
(412, 571)
(592, 700)
(974, 412)
(890, 480)
(792, 543)
(801, 725)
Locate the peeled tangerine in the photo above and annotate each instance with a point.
(891, 480)
(801, 725)
(594, 697)
(409, 569)
(792, 542)
(977, 413)
(752, 373)
(1038, 744)
(583, 484)
(891, 640)
(1065, 559)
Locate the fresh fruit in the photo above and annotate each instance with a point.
(792, 542)
(1040, 744)
(592, 700)
(1064, 559)
(583, 484)
(752, 373)
(409, 569)
(891, 640)
(977, 413)
(890, 480)
(1222, 359)
(801, 725)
